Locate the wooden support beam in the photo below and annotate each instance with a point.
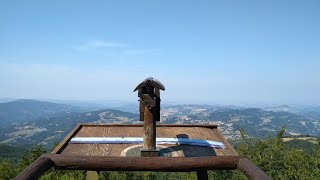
(36, 169)
(149, 126)
(252, 171)
(144, 163)
(202, 175)
(92, 175)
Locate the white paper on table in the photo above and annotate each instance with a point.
(139, 140)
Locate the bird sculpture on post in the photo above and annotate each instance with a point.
(149, 107)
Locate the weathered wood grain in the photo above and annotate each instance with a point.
(177, 164)
(149, 130)
(168, 131)
(158, 125)
(36, 169)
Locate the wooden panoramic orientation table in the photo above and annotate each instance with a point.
(113, 157)
(196, 147)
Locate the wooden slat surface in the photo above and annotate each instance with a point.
(168, 131)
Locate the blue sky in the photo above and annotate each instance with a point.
(219, 52)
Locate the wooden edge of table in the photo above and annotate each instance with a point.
(211, 126)
(65, 141)
(228, 146)
(169, 164)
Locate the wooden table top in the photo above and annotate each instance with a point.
(205, 132)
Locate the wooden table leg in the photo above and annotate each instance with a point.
(92, 175)
(202, 174)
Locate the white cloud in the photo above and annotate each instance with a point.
(140, 51)
(124, 48)
(98, 44)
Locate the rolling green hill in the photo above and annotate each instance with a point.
(51, 129)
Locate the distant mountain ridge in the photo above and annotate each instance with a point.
(45, 122)
(255, 121)
(24, 110)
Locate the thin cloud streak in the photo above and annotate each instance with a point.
(140, 51)
(98, 44)
(101, 44)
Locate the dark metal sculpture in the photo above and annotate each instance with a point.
(149, 107)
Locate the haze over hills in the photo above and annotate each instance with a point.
(33, 122)
(23, 110)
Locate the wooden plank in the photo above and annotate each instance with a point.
(252, 171)
(94, 149)
(96, 163)
(168, 132)
(36, 169)
(65, 141)
(210, 126)
(103, 131)
(220, 152)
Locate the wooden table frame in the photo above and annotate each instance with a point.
(169, 164)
